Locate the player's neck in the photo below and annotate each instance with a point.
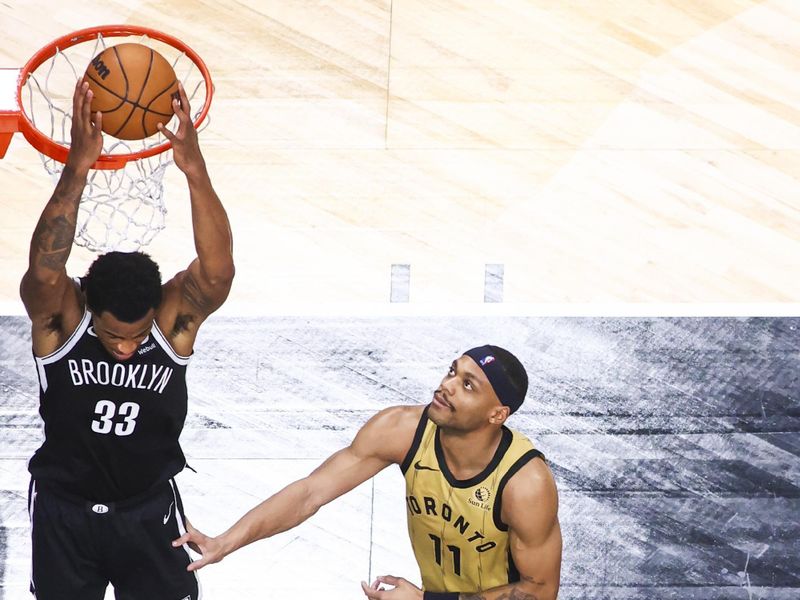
(469, 454)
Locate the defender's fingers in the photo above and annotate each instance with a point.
(197, 564)
(368, 591)
(195, 547)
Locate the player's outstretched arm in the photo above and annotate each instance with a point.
(204, 285)
(530, 508)
(383, 440)
(49, 296)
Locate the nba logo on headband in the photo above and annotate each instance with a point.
(505, 373)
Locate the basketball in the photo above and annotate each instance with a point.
(133, 86)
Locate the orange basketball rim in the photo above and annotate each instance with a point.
(13, 116)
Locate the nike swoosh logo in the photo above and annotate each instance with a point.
(169, 512)
(420, 467)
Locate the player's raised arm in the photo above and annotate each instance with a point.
(49, 296)
(205, 284)
(383, 440)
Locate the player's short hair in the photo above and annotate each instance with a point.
(126, 284)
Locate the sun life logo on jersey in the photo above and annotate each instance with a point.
(480, 498)
(486, 360)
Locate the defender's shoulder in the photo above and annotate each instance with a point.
(391, 431)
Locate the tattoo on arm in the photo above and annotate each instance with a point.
(195, 296)
(53, 241)
(513, 594)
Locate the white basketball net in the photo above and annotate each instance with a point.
(120, 209)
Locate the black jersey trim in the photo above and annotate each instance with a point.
(164, 343)
(498, 499)
(502, 448)
(513, 571)
(423, 421)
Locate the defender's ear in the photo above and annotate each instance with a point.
(499, 415)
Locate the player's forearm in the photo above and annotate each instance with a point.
(52, 240)
(527, 589)
(212, 231)
(281, 512)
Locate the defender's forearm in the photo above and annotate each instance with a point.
(281, 512)
(527, 589)
(52, 239)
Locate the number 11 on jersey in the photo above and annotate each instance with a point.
(455, 550)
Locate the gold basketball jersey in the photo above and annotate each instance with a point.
(458, 537)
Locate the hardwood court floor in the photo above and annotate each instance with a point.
(600, 151)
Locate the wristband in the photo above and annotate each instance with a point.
(440, 596)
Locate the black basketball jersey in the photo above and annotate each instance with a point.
(111, 428)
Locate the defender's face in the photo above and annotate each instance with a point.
(121, 339)
(465, 399)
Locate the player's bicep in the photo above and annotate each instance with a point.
(530, 508)
(54, 311)
(195, 294)
(538, 560)
(383, 440)
(43, 297)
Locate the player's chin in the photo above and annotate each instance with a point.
(121, 357)
(440, 415)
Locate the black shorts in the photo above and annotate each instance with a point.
(79, 546)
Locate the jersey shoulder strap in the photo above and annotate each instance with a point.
(521, 452)
(418, 434)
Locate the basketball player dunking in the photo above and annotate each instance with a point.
(111, 352)
(481, 502)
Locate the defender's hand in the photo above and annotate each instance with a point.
(210, 548)
(403, 589)
(86, 138)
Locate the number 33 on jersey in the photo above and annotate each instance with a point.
(130, 412)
